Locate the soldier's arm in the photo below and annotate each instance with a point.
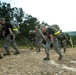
(42, 35)
(64, 39)
(51, 38)
(10, 31)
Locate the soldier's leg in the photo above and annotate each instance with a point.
(43, 45)
(39, 44)
(14, 45)
(6, 45)
(59, 43)
(56, 47)
(31, 44)
(47, 48)
(64, 46)
(38, 49)
(36, 44)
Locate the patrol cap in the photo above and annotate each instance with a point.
(36, 26)
(42, 25)
(2, 18)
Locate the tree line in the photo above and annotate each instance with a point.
(26, 22)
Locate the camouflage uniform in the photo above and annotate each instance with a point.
(32, 38)
(62, 41)
(9, 37)
(55, 45)
(38, 39)
(1, 37)
(8, 41)
(69, 40)
(49, 42)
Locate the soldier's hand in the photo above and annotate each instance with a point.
(11, 37)
(51, 45)
(45, 38)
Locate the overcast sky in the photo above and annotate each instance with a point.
(61, 12)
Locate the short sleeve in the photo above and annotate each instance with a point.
(8, 25)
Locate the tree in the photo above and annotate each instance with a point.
(29, 24)
(5, 11)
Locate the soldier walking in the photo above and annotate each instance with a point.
(9, 37)
(32, 38)
(51, 39)
(38, 38)
(62, 41)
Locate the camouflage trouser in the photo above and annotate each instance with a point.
(55, 45)
(38, 43)
(8, 41)
(64, 45)
(32, 43)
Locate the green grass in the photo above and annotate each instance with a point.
(1, 43)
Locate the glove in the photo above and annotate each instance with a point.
(51, 45)
(11, 37)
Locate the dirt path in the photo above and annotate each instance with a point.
(29, 62)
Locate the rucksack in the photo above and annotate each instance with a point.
(15, 28)
(55, 28)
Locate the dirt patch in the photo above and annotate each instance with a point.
(29, 62)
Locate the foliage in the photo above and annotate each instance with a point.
(74, 39)
(26, 22)
(22, 41)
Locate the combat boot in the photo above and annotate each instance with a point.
(64, 51)
(60, 57)
(31, 48)
(46, 58)
(16, 53)
(38, 50)
(7, 53)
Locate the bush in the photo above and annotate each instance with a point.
(22, 41)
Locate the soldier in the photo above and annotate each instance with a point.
(62, 41)
(51, 39)
(69, 40)
(38, 38)
(1, 37)
(9, 37)
(32, 38)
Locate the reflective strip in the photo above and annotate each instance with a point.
(57, 32)
(15, 29)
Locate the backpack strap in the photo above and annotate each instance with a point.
(15, 29)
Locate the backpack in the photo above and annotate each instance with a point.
(15, 28)
(56, 29)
